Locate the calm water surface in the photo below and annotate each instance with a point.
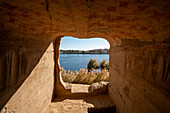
(79, 61)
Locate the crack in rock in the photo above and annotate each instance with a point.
(47, 8)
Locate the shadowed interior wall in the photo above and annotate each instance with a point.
(26, 74)
(139, 77)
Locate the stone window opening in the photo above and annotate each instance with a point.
(64, 88)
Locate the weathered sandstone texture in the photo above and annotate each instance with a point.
(139, 78)
(26, 75)
(138, 32)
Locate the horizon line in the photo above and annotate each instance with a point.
(83, 50)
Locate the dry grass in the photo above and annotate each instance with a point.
(84, 77)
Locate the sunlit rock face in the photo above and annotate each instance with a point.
(137, 30)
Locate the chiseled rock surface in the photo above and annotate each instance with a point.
(139, 81)
(137, 31)
(35, 93)
(110, 19)
(98, 86)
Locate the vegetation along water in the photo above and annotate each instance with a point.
(77, 68)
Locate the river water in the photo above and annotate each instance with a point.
(78, 61)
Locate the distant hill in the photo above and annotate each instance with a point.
(94, 51)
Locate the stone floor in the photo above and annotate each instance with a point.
(90, 104)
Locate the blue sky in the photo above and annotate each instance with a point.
(71, 43)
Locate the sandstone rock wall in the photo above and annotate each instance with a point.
(139, 74)
(26, 74)
(140, 78)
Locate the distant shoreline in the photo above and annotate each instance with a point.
(84, 53)
(95, 51)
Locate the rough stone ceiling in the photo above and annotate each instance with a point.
(110, 19)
